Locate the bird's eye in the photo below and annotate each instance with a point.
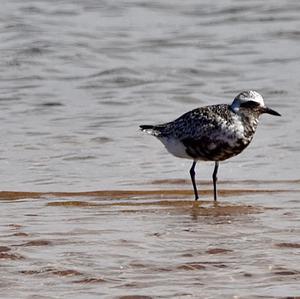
(250, 104)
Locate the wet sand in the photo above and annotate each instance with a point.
(268, 187)
(152, 243)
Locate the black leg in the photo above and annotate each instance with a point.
(215, 178)
(192, 173)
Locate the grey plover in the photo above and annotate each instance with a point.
(212, 133)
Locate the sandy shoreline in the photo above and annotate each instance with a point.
(117, 194)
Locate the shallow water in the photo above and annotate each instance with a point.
(108, 212)
(158, 244)
(78, 77)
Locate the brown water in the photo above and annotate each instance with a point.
(160, 244)
(92, 208)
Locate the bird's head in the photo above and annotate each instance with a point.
(251, 102)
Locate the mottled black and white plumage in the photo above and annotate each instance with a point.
(212, 133)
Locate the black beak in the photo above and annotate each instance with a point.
(270, 111)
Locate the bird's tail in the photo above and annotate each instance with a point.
(152, 130)
(146, 127)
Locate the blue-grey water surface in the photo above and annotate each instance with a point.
(76, 80)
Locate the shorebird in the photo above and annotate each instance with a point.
(212, 133)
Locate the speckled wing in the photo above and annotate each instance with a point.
(198, 123)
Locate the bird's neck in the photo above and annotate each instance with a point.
(250, 122)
